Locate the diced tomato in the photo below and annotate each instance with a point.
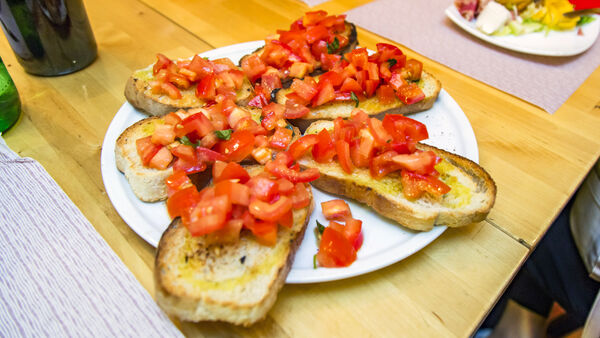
(182, 202)
(386, 94)
(265, 232)
(414, 68)
(313, 18)
(229, 171)
(253, 67)
(205, 155)
(370, 87)
(362, 153)
(373, 71)
(280, 169)
(396, 80)
(287, 220)
(419, 162)
(270, 80)
(230, 233)
(237, 192)
(206, 88)
(381, 136)
(172, 119)
(353, 232)
(414, 185)
(262, 188)
(300, 69)
(161, 63)
(404, 128)
(236, 115)
(383, 164)
(302, 145)
(326, 94)
(238, 147)
(342, 149)
(188, 167)
(335, 250)
(270, 212)
(258, 101)
(306, 89)
(281, 138)
(177, 181)
(336, 209)
(351, 85)
(332, 77)
(285, 187)
(169, 89)
(201, 67)
(209, 215)
(197, 122)
(330, 61)
(272, 113)
(300, 196)
(358, 57)
(146, 149)
(410, 93)
(294, 109)
(185, 152)
(324, 150)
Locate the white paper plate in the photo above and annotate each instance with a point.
(384, 241)
(552, 43)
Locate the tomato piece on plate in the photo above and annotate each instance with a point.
(162, 63)
(185, 152)
(163, 134)
(380, 135)
(207, 88)
(414, 69)
(335, 250)
(336, 209)
(230, 233)
(386, 94)
(383, 164)
(403, 128)
(285, 187)
(280, 169)
(188, 167)
(419, 162)
(197, 122)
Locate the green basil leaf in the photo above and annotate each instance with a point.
(289, 126)
(320, 228)
(315, 262)
(224, 134)
(332, 47)
(185, 140)
(392, 62)
(354, 98)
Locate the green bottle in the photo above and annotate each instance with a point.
(10, 104)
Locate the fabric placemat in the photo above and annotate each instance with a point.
(58, 277)
(423, 26)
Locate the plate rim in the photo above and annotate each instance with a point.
(110, 172)
(453, 14)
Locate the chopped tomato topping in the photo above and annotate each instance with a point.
(336, 209)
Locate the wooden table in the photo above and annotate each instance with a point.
(536, 159)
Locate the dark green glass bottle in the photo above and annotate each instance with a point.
(10, 104)
(49, 37)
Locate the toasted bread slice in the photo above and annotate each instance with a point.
(429, 84)
(148, 184)
(236, 283)
(470, 200)
(139, 93)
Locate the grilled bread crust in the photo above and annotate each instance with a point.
(472, 196)
(429, 84)
(236, 283)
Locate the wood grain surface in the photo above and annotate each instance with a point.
(536, 159)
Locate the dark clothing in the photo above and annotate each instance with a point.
(553, 272)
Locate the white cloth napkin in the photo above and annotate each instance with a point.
(58, 277)
(422, 26)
